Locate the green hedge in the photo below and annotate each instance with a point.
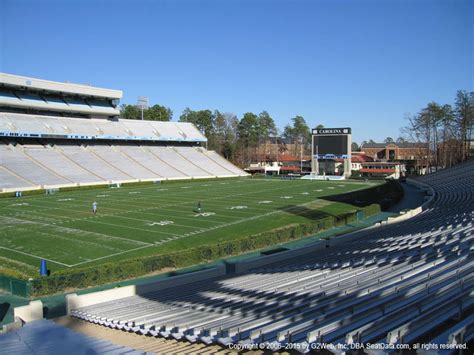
(117, 271)
(121, 270)
(85, 187)
(202, 180)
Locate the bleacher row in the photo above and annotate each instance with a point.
(45, 337)
(24, 166)
(20, 125)
(400, 283)
(55, 103)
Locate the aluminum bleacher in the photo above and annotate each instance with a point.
(69, 164)
(46, 337)
(37, 126)
(46, 152)
(398, 283)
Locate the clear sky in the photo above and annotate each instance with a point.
(363, 64)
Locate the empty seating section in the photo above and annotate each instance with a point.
(76, 126)
(188, 130)
(107, 128)
(223, 162)
(86, 158)
(72, 164)
(120, 129)
(171, 157)
(54, 160)
(15, 160)
(80, 154)
(10, 180)
(141, 129)
(47, 337)
(197, 157)
(143, 156)
(114, 157)
(397, 283)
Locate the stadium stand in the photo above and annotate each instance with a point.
(44, 151)
(38, 96)
(46, 337)
(399, 283)
(55, 134)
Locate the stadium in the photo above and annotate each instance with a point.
(131, 236)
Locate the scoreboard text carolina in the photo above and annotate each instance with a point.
(331, 131)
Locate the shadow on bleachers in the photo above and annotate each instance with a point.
(398, 283)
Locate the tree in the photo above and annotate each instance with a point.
(401, 140)
(266, 125)
(299, 133)
(203, 120)
(464, 113)
(389, 140)
(158, 113)
(130, 112)
(154, 113)
(248, 129)
(354, 147)
(266, 128)
(230, 136)
(247, 132)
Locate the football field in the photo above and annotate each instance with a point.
(154, 219)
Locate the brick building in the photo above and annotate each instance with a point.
(413, 155)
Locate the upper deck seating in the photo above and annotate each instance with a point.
(118, 130)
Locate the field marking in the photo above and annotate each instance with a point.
(111, 255)
(160, 223)
(35, 256)
(178, 204)
(135, 228)
(82, 231)
(251, 218)
(202, 230)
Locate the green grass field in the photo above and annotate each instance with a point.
(153, 219)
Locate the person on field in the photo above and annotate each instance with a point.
(199, 207)
(94, 207)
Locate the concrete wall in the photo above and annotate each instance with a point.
(425, 187)
(30, 312)
(74, 301)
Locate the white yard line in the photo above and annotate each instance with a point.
(147, 245)
(111, 255)
(82, 231)
(36, 256)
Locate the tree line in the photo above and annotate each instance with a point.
(237, 139)
(446, 129)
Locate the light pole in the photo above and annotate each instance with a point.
(142, 104)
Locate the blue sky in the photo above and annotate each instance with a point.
(363, 64)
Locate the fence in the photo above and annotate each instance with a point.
(14, 287)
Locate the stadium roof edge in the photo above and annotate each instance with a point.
(55, 86)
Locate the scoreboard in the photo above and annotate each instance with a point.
(331, 143)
